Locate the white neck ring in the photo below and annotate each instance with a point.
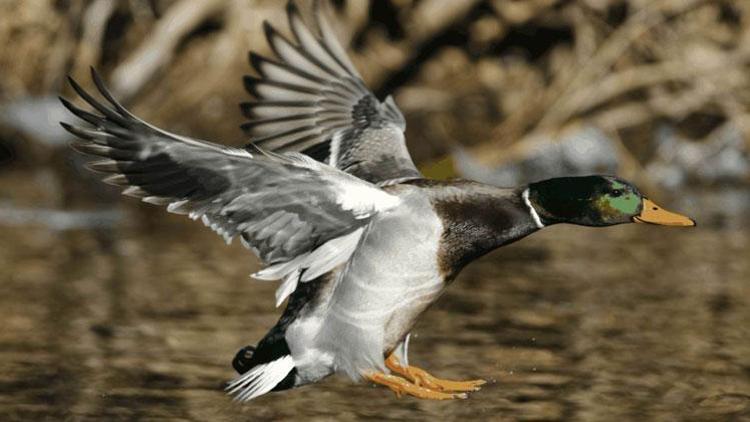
(534, 214)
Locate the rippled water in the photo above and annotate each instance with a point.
(628, 323)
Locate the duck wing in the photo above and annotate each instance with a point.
(312, 100)
(301, 217)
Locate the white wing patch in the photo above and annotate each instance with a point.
(287, 287)
(261, 379)
(363, 200)
(311, 265)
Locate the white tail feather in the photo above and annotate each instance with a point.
(261, 379)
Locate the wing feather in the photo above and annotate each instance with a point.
(285, 207)
(312, 97)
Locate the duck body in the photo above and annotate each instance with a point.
(405, 260)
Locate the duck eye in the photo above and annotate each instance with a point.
(616, 193)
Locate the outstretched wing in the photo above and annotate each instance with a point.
(298, 215)
(312, 100)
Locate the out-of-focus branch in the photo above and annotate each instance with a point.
(433, 16)
(639, 77)
(157, 50)
(94, 25)
(552, 108)
(591, 70)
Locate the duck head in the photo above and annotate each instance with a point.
(597, 201)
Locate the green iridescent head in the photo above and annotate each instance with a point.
(597, 201)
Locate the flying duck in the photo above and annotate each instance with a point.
(327, 196)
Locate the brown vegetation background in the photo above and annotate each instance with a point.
(113, 309)
(494, 76)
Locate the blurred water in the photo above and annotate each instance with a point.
(628, 323)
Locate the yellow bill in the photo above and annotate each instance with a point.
(654, 214)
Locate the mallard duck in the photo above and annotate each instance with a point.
(327, 196)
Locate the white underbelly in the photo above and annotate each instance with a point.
(366, 319)
(390, 280)
(404, 316)
(395, 270)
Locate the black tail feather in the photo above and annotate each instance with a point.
(243, 360)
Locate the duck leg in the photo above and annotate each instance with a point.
(423, 378)
(400, 386)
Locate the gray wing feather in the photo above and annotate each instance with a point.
(313, 100)
(283, 206)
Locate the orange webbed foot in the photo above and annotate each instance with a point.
(423, 378)
(402, 387)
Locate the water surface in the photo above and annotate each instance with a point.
(628, 323)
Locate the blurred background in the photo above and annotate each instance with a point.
(115, 309)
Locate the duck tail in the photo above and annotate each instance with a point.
(259, 379)
(243, 360)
